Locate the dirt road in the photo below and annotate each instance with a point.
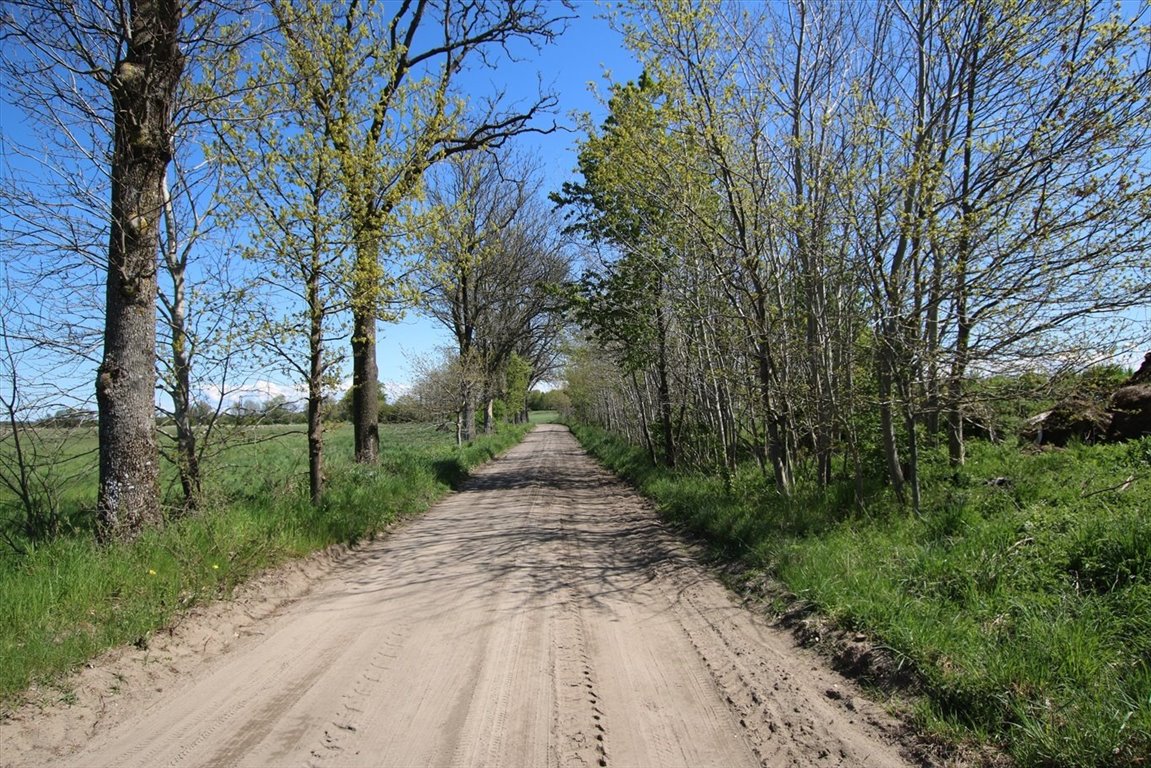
(541, 617)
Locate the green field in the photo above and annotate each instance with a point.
(65, 599)
(1018, 604)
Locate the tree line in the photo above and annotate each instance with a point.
(823, 223)
(223, 187)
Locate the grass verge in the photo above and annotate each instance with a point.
(69, 599)
(1020, 600)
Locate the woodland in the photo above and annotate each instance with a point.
(841, 233)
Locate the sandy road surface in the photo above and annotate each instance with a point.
(541, 617)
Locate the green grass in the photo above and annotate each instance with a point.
(1023, 606)
(544, 417)
(67, 599)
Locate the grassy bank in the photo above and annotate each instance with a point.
(1020, 600)
(66, 600)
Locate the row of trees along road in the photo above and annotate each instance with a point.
(305, 127)
(824, 219)
(493, 263)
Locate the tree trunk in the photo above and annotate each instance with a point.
(931, 346)
(887, 419)
(365, 390)
(315, 387)
(642, 408)
(663, 387)
(315, 446)
(955, 446)
(777, 449)
(143, 87)
(180, 386)
(912, 474)
(187, 455)
(468, 406)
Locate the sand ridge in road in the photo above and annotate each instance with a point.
(540, 617)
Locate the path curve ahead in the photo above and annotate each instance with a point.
(540, 617)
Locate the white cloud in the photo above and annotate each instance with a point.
(266, 389)
(261, 389)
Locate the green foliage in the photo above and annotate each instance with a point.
(620, 203)
(517, 376)
(68, 599)
(342, 410)
(1020, 598)
(552, 400)
(1099, 381)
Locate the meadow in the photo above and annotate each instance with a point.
(1016, 609)
(65, 598)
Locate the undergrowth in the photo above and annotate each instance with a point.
(65, 600)
(1020, 598)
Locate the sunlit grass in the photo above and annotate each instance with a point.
(65, 600)
(1023, 605)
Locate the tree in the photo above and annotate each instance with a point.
(198, 299)
(107, 87)
(986, 193)
(492, 260)
(286, 187)
(383, 87)
(196, 314)
(626, 302)
(143, 87)
(822, 220)
(134, 53)
(1044, 185)
(517, 378)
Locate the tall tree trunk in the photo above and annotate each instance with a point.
(365, 389)
(931, 347)
(315, 382)
(468, 408)
(143, 87)
(887, 417)
(187, 456)
(315, 444)
(662, 385)
(642, 407)
(180, 386)
(912, 476)
(955, 446)
(777, 446)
